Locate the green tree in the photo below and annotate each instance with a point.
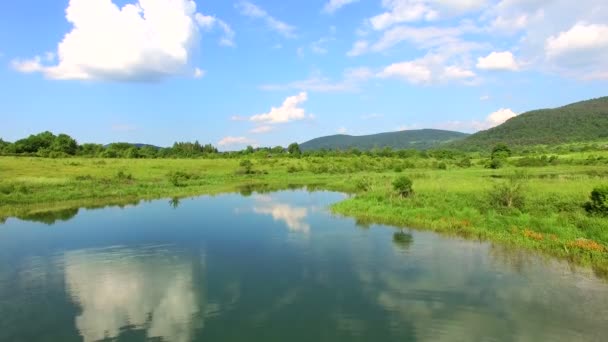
(65, 144)
(599, 201)
(294, 149)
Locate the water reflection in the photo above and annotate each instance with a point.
(403, 240)
(51, 217)
(144, 289)
(294, 217)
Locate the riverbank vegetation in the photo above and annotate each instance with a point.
(549, 199)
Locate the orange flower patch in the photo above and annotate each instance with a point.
(533, 235)
(588, 245)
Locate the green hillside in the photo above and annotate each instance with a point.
(581, 121)
(413, 139)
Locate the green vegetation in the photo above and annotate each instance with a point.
(422, 139)
(543, 207)
(599, 201)
(577, 122)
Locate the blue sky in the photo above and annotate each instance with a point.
(267, 73)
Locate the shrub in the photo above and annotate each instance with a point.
(509, 194)
(465, 162)
(124, 177)
(599, 201)
(403, 186)
(363, 184)
(179, 178)
(247, 166)
(293, 169)
(442, 166)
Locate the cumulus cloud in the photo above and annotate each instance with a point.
(144, 41)
(251, 10)
(560, 36)
(289, 111)
(499, 117)
(430, 69)
(333, 5)
(231, 141)
(580, 39)
(498, 61)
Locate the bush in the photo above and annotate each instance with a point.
(124, 177)
(442, 166)
(179, 178)
(363, 184)
(247, 166)
(403, 186)
(509, 194)
(599, 201)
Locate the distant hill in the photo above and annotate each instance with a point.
(413, 139)
(581, 121)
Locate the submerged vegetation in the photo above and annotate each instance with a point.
(552, 199)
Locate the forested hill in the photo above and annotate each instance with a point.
(581, 121)
(413, 139)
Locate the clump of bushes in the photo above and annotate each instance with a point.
(403, 186)
(246, 167)
(363, 184)
(123, 176)
(598, 203)
(294, 169)
(179, 178)
(509, 194)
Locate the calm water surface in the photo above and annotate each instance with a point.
(277, 267)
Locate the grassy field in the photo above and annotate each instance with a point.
(456, 201)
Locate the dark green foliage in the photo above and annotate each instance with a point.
(599, 201)
(124, 177)
(246, 166)
(500, 154)
(179, 178)
(465, 162)
(582, 121)
(414, 139)
(442, 166)
(294, 149)
(403, 186)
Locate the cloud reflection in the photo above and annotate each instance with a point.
(121, 288)
(293, 217)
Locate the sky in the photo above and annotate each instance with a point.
(267, 73)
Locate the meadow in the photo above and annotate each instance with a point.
(457, 196)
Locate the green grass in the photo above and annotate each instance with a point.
(454, 201)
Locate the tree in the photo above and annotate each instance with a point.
(501, 151)
(65, 144)
(294, 149)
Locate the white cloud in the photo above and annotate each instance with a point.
(400, 11)
(342, 130)
(262, 129)
(581, 38)
(199, 73)
(498, 61)
(231, 141)
(209, 22)
(293, 217)
(484, 98)
(499, 117)
(253, 11)
(333, 5)
(144, 41)
(430, 69)
(359, 48)
(290, 110)
(560, 36)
